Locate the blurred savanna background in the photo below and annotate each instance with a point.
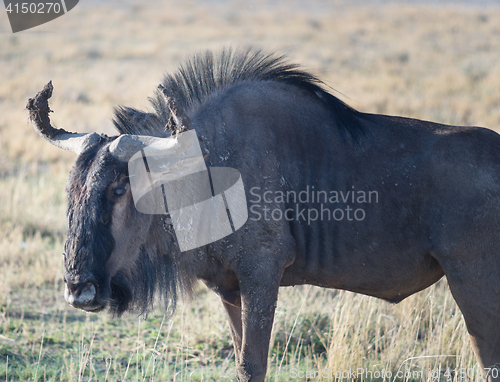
(429, 60)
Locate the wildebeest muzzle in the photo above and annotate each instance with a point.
(81, 292)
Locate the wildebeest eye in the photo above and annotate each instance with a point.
(119, 191)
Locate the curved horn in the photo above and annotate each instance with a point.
(123, 147)
(39, 115)
(179, 120)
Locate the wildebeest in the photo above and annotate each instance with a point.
(434, 207)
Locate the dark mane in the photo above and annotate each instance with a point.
(206, 73)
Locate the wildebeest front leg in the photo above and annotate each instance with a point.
(259, 293)
(233, 312)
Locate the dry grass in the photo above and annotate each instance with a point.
(431, 62)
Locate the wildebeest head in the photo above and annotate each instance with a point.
(103, 243)
(111, 252)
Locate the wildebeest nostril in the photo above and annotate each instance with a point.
(80, 295)
(72, 287)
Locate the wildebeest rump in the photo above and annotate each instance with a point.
(435, 209)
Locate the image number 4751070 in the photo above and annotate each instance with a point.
(28, 14)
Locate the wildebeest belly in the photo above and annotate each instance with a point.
(392, 280)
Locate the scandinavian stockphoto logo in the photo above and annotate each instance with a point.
(28, 14)
(170, 177)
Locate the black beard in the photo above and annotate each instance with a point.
(121, 295)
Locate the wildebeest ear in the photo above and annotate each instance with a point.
(179, 120)
(39, 110)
